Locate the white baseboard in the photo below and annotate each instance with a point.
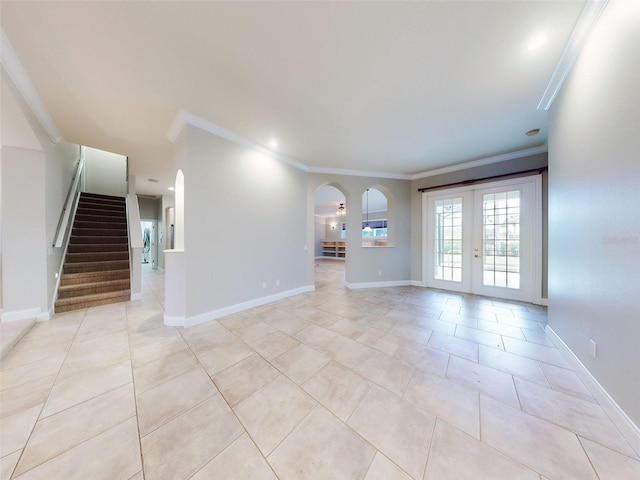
(45, 316)
(418, 283)
(392, 283)
(629, 430)
(20, 314)
(136, 296)
(544, 302)
(176, 321)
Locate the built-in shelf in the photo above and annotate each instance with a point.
(334, 248)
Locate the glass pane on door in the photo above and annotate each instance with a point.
(501, 239)
(448, 239)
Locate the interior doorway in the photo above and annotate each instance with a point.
(485, 239)
(149, 243)
(330, 234)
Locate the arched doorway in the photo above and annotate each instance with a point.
(330, 212)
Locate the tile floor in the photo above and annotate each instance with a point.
(393, 383)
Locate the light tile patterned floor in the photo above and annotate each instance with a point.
(393, 383)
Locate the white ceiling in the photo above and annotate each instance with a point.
(395, 87)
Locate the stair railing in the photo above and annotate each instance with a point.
(135, 246)
(69, 205)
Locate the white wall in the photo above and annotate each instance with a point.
(245, 218)
(363, 264)
(61, 164)
(105, 172)
(319, 230)
(24, 242)
(52, 167)
(594, 206)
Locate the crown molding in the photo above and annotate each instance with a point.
(587, 20)
(16, 72)
(481, 162)
(359, 173)
(186, 118)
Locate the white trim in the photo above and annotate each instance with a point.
(186, 118)
(537, 239)
(392, 283)
(544, 302)
(629, 430)
(177, 125)
(175, 321)
(136, 296)
(481, 162)
(20, 78)
(360, 173)
(587, 20)
(20, 314)
(417, 283)
(48, 315)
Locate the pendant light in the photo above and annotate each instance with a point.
(367, 228)
(341, 210)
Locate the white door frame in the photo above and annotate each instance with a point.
(536, 181)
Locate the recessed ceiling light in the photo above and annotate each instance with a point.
(537, 42)
(171, 188)
(533, 132)
(273, 143)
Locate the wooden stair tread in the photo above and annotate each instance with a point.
(92, 277)
(95, 284)
(97, 247)
(97, 240)
(94, 296)
(87, 257)
(86, 301)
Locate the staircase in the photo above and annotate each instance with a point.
(96, 267)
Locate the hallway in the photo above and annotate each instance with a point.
(389, 383)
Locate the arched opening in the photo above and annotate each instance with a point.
(377, 222)
(178, 233)
(330, 234)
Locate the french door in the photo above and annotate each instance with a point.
(485, 239)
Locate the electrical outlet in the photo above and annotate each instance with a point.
(593, 348)
(264, 284)
(277, 283)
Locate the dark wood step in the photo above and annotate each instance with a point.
(97, 247)
(83, 217)
(82, 267)
(120, 209)
(86, 301)
(102, 198)
(80, 290)
(91, 277)
(122, 225)
(106, 232)
(78, 239)
(96, 256)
